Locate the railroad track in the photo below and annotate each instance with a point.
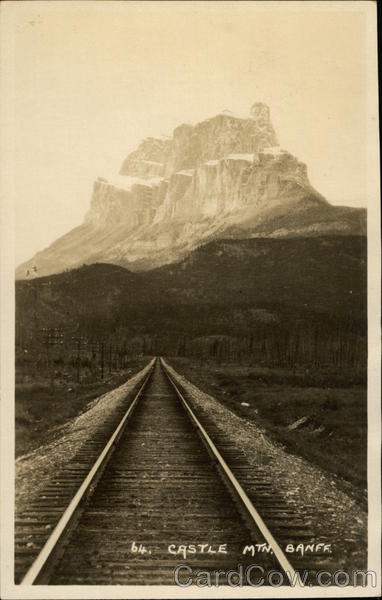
(158, 487)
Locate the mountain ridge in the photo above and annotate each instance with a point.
(248, 261)
(265, 289)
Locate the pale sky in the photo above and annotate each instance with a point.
(93, 79)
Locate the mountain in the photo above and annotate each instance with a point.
(223, 177)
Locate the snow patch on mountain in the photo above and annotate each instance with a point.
(126, 182)
(247, 157)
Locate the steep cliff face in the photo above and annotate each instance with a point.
(128, 200)
(224, 176)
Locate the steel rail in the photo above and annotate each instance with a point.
(233, 482)
(51, 543)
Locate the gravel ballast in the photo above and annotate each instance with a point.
(334, 516)
(35, 469)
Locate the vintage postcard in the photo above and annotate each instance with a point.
(190, 321)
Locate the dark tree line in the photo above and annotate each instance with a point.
(285, 341)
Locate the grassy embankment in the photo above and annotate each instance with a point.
(40, 407)
(320, 416)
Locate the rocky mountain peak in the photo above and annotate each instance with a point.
(222, 176)
(261, 113)
(211, 139)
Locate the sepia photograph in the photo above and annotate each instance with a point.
(190, 325)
